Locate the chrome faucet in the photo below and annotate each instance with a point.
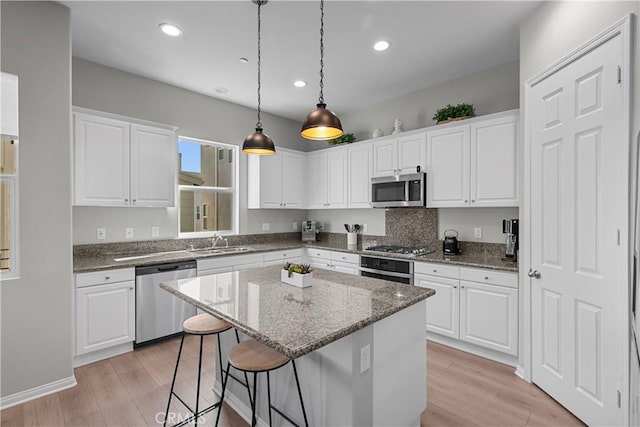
(216, 238)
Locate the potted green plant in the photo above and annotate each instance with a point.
(452, 113)
(299, 275)
(346, 138)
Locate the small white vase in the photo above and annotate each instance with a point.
(296, 279)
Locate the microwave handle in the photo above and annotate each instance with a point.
(407, 184)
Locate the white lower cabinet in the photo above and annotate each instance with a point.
(476, 306)
(105, 310)
(324, 259)
(293, 256)
(224, 264)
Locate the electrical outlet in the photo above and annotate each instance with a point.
(265, 226)
(155, 231)
(295, 226)
(101, 233)
(365, 228)
(128, 233)
(477, 233)
(365, 358)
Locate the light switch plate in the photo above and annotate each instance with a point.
(295, 226)
(128, 233)
(477, 233)
(365, 228)
(365, 358)
(265, 226)
(155, 231)
(101, 233)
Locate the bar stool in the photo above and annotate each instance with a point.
(202, 325)
(253, 356)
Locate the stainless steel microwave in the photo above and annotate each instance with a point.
(399, 191)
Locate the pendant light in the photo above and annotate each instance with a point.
(321, 124)
(258, 142)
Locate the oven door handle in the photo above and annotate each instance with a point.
(386, 273)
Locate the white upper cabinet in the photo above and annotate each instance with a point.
(474, 164)
(276, 181)
(359, 178)
(119, 163)
(494, 166)
(399, 155)
(153, 168)
(8, 105)
(327, 172)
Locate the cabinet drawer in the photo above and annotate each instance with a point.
(282, 255)
(437, 270)
(345, 257)
(318, 253)
(105, 277)
(490, 277)
(321, 263)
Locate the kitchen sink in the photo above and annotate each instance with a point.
(232, 250)
(219, 251)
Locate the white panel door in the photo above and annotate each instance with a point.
(105, 316)
(494, 162)
(578, 160)
(271, 181)
(317, 184)
(293, 179)
(411, 153)
(337, 178)
(443, 309)
(359, 179)
(489, 316)
(385, 157)
(101, 151)
(448, 167)
(153, 166)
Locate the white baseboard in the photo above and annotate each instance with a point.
(238, 405)
(507, 359)
(522, 373)
(85, 359)
(36, 392)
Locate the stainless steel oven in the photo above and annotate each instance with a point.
(399, 191)
(395, 270)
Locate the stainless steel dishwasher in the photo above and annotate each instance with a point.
(158, 313)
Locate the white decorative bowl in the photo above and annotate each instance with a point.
(296, 279)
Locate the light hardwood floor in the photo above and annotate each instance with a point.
(132, 390)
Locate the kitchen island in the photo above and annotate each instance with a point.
(359, 343)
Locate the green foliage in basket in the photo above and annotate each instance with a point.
(346, 138)
(453, 111)
(297, 268)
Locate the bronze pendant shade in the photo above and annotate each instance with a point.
(258, 142)
(321, 124)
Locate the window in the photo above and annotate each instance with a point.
(8, 209)
(208, 183)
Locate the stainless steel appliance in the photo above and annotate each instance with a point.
(510, 228)
(404, 250)
(158, 313)
(450, 244)
(395, 270)
(310, 230)
(399, 190)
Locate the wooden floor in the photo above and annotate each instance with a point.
(132, 390)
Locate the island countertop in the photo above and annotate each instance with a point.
(292, 320)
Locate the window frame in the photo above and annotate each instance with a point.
(14, 218)
(234, 190)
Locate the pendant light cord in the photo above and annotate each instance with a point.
(259, 123)
(321, 98)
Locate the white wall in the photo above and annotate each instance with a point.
(36, 337)
(464, 220)
(106, 89)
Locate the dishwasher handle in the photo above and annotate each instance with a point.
(169, 268)
(165, 267)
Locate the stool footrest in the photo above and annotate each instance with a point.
(285, 416)
(194, 415)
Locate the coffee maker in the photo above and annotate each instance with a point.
(310, 229)
(510, 228)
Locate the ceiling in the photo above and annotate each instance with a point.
(431, 42)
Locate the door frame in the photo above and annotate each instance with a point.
(624, 29)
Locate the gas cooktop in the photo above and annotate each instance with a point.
(405, 250)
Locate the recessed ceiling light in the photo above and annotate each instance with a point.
(170, 29)
(381, 45)
(244, 60)
(299, 83)
(221, 90)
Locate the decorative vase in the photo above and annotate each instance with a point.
(296, 279)
(377, 133)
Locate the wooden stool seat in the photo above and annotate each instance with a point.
(205, 324)
(253, 356)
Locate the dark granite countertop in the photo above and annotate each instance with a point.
(106, 261)
(292, 320)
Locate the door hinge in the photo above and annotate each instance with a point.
(619, 74)
(619, 399)
(618, 231)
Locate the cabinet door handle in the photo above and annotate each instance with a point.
(134, 200)
(461, 287)
(131, 287)
(455, 287)
(486, 277)
(107, 277)
(473, 201)
(435, 271)
(466, 201)
(126, 200)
